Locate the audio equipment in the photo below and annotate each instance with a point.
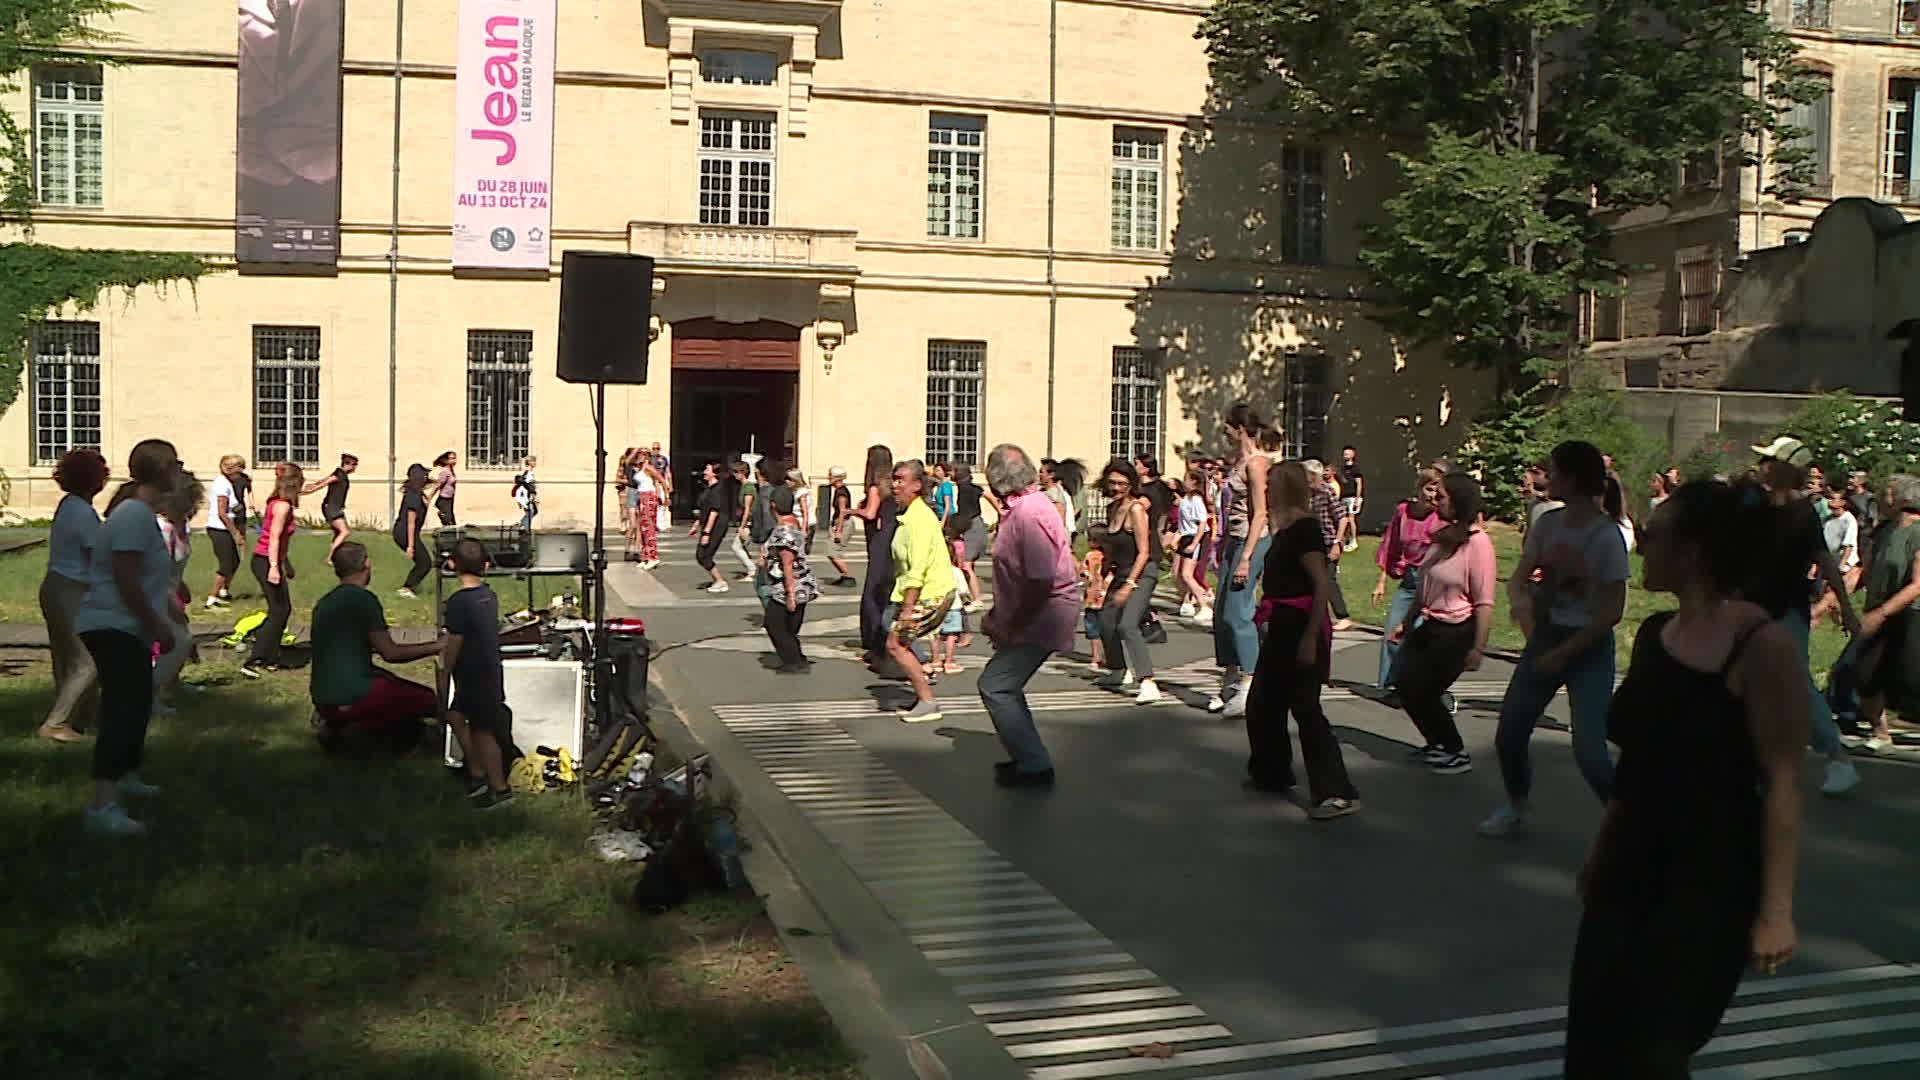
(606, 303)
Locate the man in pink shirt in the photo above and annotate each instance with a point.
(1036, 606)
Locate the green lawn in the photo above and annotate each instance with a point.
(20, 574)
(1358, 574)
(296, 915)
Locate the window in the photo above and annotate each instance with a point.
(286, 394)
(736, 169)
(1700, 170)
(956, 173)
(1812, 14)
(68, 135)
(1906, 18)
(1610, 314)
(1137, 397)
(66, 389)
(1899, 165)
(1814, 119)
(1696, 296)
(1643, 372)
(1304, 203)
(956, 371)
(744, 67)
(1304, 409)
(1139, 167)
(499, 380)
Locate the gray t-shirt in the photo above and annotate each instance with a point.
(131, 527)
(1574, 561)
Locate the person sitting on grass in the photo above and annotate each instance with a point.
(360, 705)
(470, 656)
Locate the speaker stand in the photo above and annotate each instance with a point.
(600, 672)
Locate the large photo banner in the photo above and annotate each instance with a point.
(503, 135)
(287, 198)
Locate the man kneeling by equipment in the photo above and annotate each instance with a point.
(358, 704)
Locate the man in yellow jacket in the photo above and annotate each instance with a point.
(922, 583)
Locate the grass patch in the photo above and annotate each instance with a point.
(1359, 573)
(20, 574)
(296, 915)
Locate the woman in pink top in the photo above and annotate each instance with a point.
(1401, 551)
(273, 569)
(1445, 633)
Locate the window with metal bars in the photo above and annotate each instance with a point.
(1304, 406)
(499, 395)
(66, 389)
(1139, 169)
(69, 136)
(1138, 393)
(1303, 233)
(956, 378)
(286, 394)
(956, 175)
(1812, 14)
(1696, 296)
(736, 168)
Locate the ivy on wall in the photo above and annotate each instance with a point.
(36, 280)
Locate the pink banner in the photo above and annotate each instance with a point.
(503, 135)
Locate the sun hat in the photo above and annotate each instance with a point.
(1788, 449)
(837, 473)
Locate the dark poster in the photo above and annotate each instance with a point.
(287, 204)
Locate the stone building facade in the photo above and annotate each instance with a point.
(933, 226)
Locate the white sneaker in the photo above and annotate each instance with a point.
(212, 604)
(110, 820)
(1149, 694)
(1129, 682)
(1187, 609)
(1842, 777)
(1204, 616)
(131, 784)
(718, 587)
(405, 593)
(1503, 822)
(1216, 703)
(1351, 545)
(1237, 704)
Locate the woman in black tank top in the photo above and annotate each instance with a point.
(333, 506)
(1690, 879)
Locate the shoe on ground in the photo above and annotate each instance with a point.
(253, 670)
(1351, 545)
(1334, 807)
(110, 820)
(1217, 703)
(923, 712)
(718, 587)
(1236, 705)
(405, 593)
(131, 784)
(1204, 615)
(1342, 624)
(493, 800)
(1149, 694)
(214, 603)
(1187, 609)
(1014, 778)
(792, 669)
(62, 733)
(1841, 778)
(1424, 752)
(1504, 821)
(1450, 764)
(1877, 744)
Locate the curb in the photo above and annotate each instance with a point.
(893, 1010)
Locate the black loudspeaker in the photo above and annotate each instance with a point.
(606, 302)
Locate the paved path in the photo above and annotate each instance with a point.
(1148, 900)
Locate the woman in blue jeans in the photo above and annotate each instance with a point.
(1567, 594)
(1236, 642)
(1401, 551)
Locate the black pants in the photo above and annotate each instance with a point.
(125, 664)
(1651, 980)
(1339, 602)
(876, 592)
(1120, 634)
(1432, 657)
(266, 640)
(226, 553)
(709, 548)
(422, 563)
(783, 629)
(1282, 686)
(445, 509)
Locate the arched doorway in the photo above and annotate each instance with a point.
(736, 389)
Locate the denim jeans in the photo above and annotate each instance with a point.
(1126, 646)
(1826, 733)
(1398, 605)
(1588, 678)
(1236, 643)
(1003, 689)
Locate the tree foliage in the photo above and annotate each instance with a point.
(38, 279)
(1523, 429)
(1852, 434)
(1494, 229)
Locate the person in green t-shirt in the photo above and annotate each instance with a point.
(1887, 625)
(356, 701)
